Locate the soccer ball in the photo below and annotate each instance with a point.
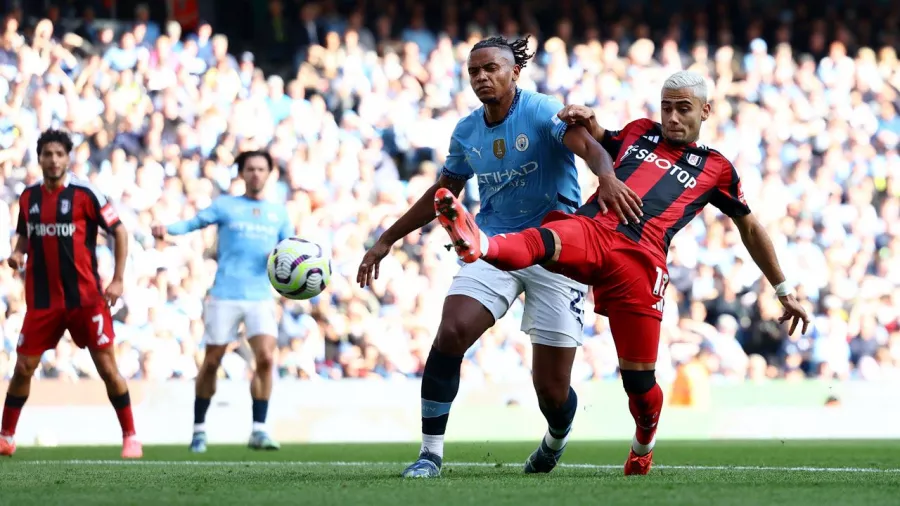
(299, 269)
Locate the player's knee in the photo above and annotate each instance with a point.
(211, 364)
(264, 362)
(454, 337)
(25, 368)
(213, 357)
(638, 382)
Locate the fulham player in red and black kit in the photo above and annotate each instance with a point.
(58, 223)
(625, 263)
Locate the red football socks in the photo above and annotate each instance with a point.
(645, 408)
(122, 403)
(511, 252)
(12, 408)
(126, 420)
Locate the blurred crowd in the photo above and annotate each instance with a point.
(359, 126)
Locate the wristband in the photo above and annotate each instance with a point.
(784, 289)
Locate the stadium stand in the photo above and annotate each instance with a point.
(357, 109)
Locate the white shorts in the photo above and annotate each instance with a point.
(223, 318)
(554, 304)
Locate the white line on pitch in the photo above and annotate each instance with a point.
(249, 463)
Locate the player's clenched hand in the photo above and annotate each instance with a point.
(368, 268)
(576, 115)
(16, 260)
(794, 312)
(158, 230)
(114, 291)
(622, 200)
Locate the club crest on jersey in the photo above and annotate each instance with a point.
(499, 148)
(522, 142)
(693, 160)
(256, 211)
(64, 206)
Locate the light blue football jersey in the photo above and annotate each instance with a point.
(522, 167)
(248, 231)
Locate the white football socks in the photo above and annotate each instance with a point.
(433, 444)
(641, 449)
(555, 443)
(484, 242)
(199, 427)
(259, 427)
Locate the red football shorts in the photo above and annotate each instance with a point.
(90, 327)
(627, 280)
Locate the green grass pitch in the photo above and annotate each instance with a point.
(723, 473)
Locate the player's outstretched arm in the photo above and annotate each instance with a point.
(759, 244)
(584, 116)
(203, 219)
(611, 193)
(419, 215)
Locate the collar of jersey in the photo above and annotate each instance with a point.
(65, 183)
(512, 108)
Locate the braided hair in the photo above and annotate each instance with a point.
(519, 48)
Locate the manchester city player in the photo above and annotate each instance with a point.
(248, 228)
(522, 157)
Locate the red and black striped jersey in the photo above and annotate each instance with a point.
(675, 183)
(61, 226)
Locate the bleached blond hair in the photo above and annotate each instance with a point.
(688, 80)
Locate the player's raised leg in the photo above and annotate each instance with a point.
(463, 321)
(559, 244)
(637, 343)
(92, 327)
(261, 324)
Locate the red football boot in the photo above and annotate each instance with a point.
(132, 448)
(638, 464)
(461, 226)
(7, 446)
